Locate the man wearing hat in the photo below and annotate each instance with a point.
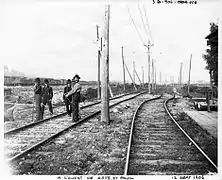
(75, 93)
(38, 97)
(68, 100)
(47, 94)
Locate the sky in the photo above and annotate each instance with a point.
(58, 39)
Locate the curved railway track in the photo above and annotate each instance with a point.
(22, 141)
(158, 145)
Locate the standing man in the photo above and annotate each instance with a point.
(75, 93)
(68, 100)
(38, 97)
(47, 95)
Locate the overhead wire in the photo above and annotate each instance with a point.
(147, 22)
(135, 26)
(141, 16)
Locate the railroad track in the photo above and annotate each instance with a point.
(56, 116)
(58, 111)
(22, 141)
(158, 145)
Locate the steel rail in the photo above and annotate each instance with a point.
(56, 116)
(202, 152)
(23, 153)
(131, 132)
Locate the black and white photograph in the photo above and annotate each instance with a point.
(110, 90)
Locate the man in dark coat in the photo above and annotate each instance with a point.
(75, 93)
(38, 99)
(68, 100)
(47, 94)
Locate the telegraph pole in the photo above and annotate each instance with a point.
(155, 79)
(148, 53)
(143, 75)
(152, 75)
(189, 75)
(124, 80)
(181, 68)
(99, 55)
(105, 69)
(149, 67)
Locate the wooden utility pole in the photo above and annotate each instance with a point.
(148, 53)
(124, 80)
(99, 55)
(155, 79)
(165, 76)
(143, 75)
(149, 68)
(181, 68)
(105, 69)
(188, 90)
(152, 74)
